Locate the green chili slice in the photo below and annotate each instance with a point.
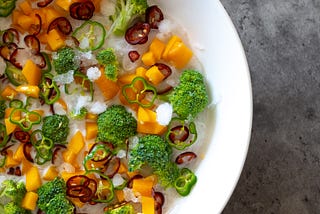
(50, 92)
(43, 146)
(26, 119)
(16, 104)
(137, 90)
(98, 153)
(3, 135)
(14, 74)
(105, 190)
(91, 35)
(181, 134)
(185, 182)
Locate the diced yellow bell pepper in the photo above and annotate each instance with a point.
(10, 162)
(91, 130)
(10, 127)
(70, 157)
(64, 4)
(148, 204)
(8, 92)
(108, 88)
(91, 116)
(19, 155)
(169, 45)
(179, 55)
(33, 179)
(148, 58)
(141, 72)
(29, 201)
(26, 166)
(154, 75)
(151, 128)
(127, 78)
(76, 143)
(25, 21)
(25, 7)
(66, 175)
(55, 40)
(29, 90)
(51, 173)
(142, 187)
(146, 115)
(157, 48)
(32, 72)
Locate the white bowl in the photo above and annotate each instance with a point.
(224, 61)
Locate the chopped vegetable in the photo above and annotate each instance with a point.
(56, 128)
(185, 181)
(108, 59)
(3, 107)
(6, 7)
(65, 60)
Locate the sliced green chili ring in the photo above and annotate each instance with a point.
(105, 190)
(99, 153)
(25, 122)
(48, 63)
(50, 92)
(3, 136)
(16, 103)
(184, 183)
(139, 92)
(90, 32)
(84, 80)
(43, 146)
(181, 134)
(14, 74)
(40, 160)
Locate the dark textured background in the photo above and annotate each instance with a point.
(281, 41)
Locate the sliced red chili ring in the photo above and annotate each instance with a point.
(138, 33)
(33, 43)
(44, 3)
(185, 157)
(17, 171)
(82, 10)
(7, 49)
(79, 191)
(154, 16)
(163, 88)
(11, 35)
(78, 180)
(55, 152)
(112, 167)
(4, 150)
(35, 29)
(164, 69)
(62, 24)
(10, 171)
(158, 197)
(22, 136)
(133, 56)
(93, 187)
(27, 148)
(180, 133)
(14, 58)
(39, 60)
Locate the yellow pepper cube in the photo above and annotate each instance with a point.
(146, 115)
(25, 21)
(64, 4)
(26, 8)
(154, 75)
(179, 55)
(148, 58)
(169, 45)
(91, 130)
(141, 72)
(10, 162)
(76, 143)
(51, 173)
(31, 72)
(29, 201)
(157, 47)
(70, 157)
(147, 205)
(29, 90)
(33, 179)
(9, 92)
(19, 155)
(55, 40)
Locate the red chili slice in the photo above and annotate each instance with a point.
(138, 33)
(11, 35)
(17, 171)
(133, 56)
(79, 191)
(180, 133)
(44, 3)
(112, 167)
(55, 152)
(33, 43)
(22, 136)
(154, 16)
(4, 150)
(27, 148)
(15, 56)
(82, 10)
(185, 157)
(159, 201)
(164, 69)
(62, 24)
(93, 187)
(6, 50)
(35, 29)
(77, 181)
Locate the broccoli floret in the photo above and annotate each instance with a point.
(125, 209)
(52, 197)
(153, 151)
(125, 11)
(59, 204)
(3, 107)
(12, 191)
(14, 208)
(78, 114)
(115, 125)
(65, 60)
(108, 59)
(56, 127)
(190, 96)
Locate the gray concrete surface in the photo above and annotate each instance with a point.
(282, 44)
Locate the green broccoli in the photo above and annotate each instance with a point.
(15, 208)
(56, 127)
(3, 107)
(153, 151)
(12, 191)
(190, 96)
(52, 197)
(108, 59)
(65, 60)
(78, 114)
(125, 209)
(115, 125)
(125, 11)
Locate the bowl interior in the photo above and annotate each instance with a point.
(224, 61)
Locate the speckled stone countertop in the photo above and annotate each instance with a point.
(281, 39)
